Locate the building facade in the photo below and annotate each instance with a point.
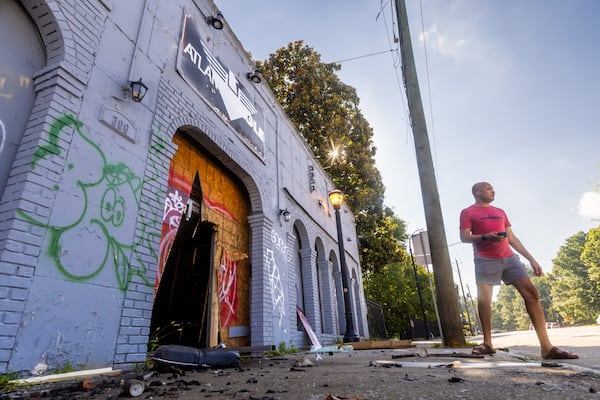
(195, 215)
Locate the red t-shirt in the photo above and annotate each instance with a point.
(481, 220)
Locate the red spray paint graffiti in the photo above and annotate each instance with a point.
(177, 196)
(227, 289)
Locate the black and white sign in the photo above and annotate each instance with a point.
(219, 86)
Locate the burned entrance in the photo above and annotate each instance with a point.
(203, 279)
(182, 312)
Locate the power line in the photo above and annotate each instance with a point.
(396, 59)
(428, 86)
(366, 55)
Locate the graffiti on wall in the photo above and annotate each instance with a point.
(277, 293)
(88, 230)
(174, 206)
(227, 278)
(5, 90)
(280, 244)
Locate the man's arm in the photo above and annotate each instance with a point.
(516, 244)
(467, 237)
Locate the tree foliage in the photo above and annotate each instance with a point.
(574, 289)
(508, 312)
(591, 257)
(570, 294)
(395, 288)
(326, 112)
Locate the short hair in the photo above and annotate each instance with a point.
(477, 186)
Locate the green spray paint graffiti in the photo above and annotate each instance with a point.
(95, 211)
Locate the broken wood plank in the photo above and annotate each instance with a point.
(89, 373)
(381, 344)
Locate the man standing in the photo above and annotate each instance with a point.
(489, 229)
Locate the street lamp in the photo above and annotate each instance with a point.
(336, 197)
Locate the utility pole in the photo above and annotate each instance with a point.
(442, 267)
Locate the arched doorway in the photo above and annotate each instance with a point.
(203, 280)
(22, 56)
(181, 313)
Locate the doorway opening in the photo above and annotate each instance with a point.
(182, 312)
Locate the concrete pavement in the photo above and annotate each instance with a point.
(382, 374)
(583, 340)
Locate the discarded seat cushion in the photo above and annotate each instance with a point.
(175, 354)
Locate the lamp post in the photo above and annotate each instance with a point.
(336, 197)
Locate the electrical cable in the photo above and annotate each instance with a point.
(396, 62)
(366, 55)
(428, 88)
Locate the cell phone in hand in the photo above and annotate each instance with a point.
(503, 234)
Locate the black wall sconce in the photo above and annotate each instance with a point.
(255, 76)
(216, 21)
(285, 214)
(138, 90)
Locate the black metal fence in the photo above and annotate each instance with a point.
(376, 321)
(415, 328)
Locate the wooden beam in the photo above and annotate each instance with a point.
(90, 373)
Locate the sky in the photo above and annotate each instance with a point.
(511, 93)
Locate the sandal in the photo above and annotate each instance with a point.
(483, 349)
(558, 354)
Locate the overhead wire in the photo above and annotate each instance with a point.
(363, 56)
(395, 58)
(428, 88)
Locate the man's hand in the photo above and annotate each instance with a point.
(495, 237)
(537, 268)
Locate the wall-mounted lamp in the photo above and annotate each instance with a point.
(255, 76)
(216, 21)
(285, 214)
(138, 90)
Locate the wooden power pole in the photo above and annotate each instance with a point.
(450, 319)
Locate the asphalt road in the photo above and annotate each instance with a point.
(515, 373)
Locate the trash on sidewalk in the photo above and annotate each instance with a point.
(186, 356)
(66, 376)
(422, 352)
(303, 362)
(385, 364)
(382, 344)
(332, 397)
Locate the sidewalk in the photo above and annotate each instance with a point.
(584, 340)
(386, 374)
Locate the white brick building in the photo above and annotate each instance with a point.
(125, 222)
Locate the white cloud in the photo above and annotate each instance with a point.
(441, 42)
(589, 205)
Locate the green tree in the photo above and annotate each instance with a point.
(573, 292)
(544, 287)
(395, 288)
(326, 112)
(509, 311)
(591, 257)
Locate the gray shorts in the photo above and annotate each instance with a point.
(492, 270)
